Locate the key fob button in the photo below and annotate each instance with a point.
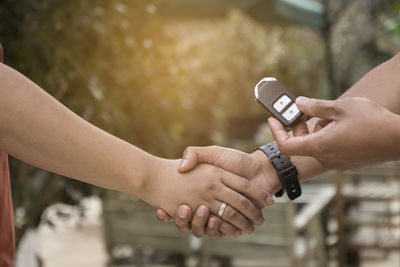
(291, 112)
(281, 103)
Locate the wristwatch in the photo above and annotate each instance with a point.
(287, 172)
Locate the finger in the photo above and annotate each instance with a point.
(189, 160)
(162, 215)
(243, 205)
(298, 145)
(237, 219)
(278, 130)
(212, 229)
(199, 221)
(300, 129)
(182, 219)
(228, 159)
(320, 124)
(228, 229)
(325, 109)
(246, 188)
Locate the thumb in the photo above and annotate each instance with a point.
(296, 145)
(230, 160)
(189, 160)
(326, 109)
(196, 155)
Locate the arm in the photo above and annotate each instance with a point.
(37, 129)
(381, 85)
(382, 78)
(351, 131)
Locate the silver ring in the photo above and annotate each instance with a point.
(222, 209)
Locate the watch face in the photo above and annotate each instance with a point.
(278, 100)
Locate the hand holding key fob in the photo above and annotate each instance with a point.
(278, 100)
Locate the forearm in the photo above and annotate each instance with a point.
(381, 85)
(37, 129)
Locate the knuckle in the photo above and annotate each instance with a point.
(244, 183)
(232, 214)
(209, 185)
(182, 226)
(227, 229)
(244, 202)
(314, 106)
(189, 148)
(214, 234)
(196, 225)
(334, 107)
(216, 172)
(180, 223)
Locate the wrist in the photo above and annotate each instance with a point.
(143, 186)
(265, 168)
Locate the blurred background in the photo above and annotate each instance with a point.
(166, 74)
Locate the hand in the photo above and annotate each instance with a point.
(351, 132)
(255, 167)
(215, 228)
(209, 186)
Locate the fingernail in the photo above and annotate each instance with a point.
(270, 200)
(184, 163)
(183, 213)
(202, 212)
(302, 101)
(159, 217)
(211, 224)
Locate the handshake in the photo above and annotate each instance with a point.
(227, 187)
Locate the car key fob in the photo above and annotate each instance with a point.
(278, 100)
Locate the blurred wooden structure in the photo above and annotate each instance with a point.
(131, 225)
(293, 232)
(368, 211)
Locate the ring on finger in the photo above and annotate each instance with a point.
(222, 209)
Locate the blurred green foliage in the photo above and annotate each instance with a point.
(158, 82)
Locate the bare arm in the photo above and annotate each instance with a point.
(382, 85)
(357, 129)
(39, 130)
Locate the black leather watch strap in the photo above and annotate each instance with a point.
(287, 172)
